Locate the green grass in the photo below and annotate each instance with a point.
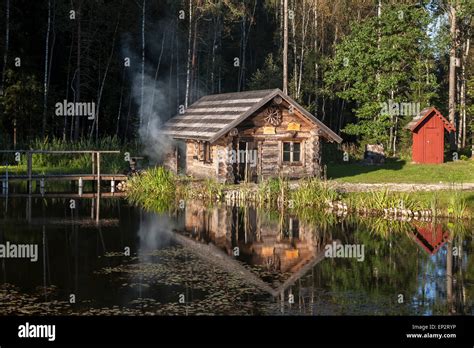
(21, 169)
(69, 163)
(154, 189)
(453, 203)
(402, 172)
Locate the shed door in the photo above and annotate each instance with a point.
(432, 148)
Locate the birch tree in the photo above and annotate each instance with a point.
(46, 70)
(285, 46)
(7, 42)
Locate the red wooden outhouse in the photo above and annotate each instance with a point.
(428, 136)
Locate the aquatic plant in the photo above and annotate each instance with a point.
(271, 191)
(314, 193)
(153, 189)
(457, 205)
(208, 190)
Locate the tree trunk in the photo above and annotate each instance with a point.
(465, 55)
(119, 113)
(213, 53)
(67, 85)
(46, 70)
(77, 96)
(7, 41)
(51, 53)
(295, 48)
(285, 46)
(244, 43)
(452, 76)
(142, 91)
(188, 63)
(178, 97)
(194, 66)
(304, 29)
(99, 98)
(154, 85)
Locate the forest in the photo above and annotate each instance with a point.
(361, 66)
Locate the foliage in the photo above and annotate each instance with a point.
(154, 189)
(380, 61)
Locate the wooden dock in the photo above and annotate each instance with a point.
(65, 177)
(63, 195)
(96, 176)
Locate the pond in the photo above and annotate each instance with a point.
(228, 261)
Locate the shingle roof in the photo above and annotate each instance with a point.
(425, 114)
(212, 116)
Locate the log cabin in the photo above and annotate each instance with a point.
(247, 137)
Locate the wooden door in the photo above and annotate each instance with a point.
(247, 161)
(432, 151)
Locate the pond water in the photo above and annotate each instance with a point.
(221, 260)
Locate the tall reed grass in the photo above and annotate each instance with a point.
(154, 189)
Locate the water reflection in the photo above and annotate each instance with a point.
(430, 236)
(229, 260)
(280, 247)
(422, 261)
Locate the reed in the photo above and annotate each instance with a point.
(272, 191)
(457, 205)
(314, 193)
(153, 189)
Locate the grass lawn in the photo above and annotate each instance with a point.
(21, 169)
(402, 172)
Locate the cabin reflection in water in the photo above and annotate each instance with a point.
(281, 244)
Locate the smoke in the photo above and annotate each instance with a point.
(154, 233)
(152, 113)
(153, 107)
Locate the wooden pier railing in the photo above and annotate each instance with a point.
(95, 176)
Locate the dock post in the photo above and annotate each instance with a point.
(80, 184)
(29, 168)
(42, 186)
(93, 162)
(98, 188)
(112, 186)
(5, 182)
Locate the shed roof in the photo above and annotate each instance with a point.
(212, 116)
(425, 114)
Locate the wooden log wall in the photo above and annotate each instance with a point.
(270, 146)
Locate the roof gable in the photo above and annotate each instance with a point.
(213, 116)
(425, 115)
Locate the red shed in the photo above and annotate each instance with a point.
(428, 136)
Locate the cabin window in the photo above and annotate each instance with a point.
(203, 152)
(291, 151)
